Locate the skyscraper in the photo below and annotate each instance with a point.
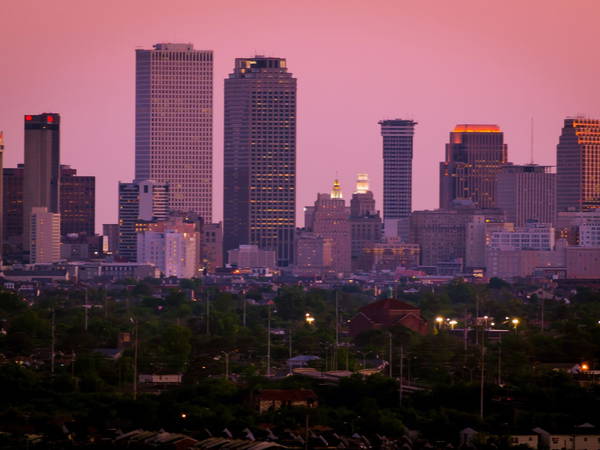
(173, 123)
(260, 157)
(77, 202)
(578, 165)
(474, 157)
(144, 200)
(527, 193)
(397, 175)
(330, 218)
(41, 180)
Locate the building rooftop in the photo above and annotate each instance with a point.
(476, 128)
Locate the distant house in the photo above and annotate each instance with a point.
(273, 399)
(387, 313)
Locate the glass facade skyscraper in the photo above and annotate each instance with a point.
(259, 205)
(578, 165)
(397, 175)
(173, 123)
(474, 157)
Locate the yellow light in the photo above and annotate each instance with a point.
(585, 367)
(439, 319)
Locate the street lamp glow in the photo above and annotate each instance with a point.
(585, 367)
(309, 319)
(439, 319)
(452, 324)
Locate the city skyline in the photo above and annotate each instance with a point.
(105, 87)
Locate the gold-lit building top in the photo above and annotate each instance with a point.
(476, 128)
(336, 191)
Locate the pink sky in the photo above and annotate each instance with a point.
(438, 62)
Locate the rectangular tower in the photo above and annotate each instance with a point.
(578, 165)
(77, 202)
(260, 157)
(397, 175)
(44, 236)
(41, 178)
(474, 157)
(173, 123)
(139, 201)
(527, 193)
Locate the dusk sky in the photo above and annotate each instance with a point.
(357, 62)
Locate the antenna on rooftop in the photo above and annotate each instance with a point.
(531, 141)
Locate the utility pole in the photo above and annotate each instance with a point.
(135, 358)
(337, 329)
(482, 382)
(401, 373)
(207, 313)
(390, 355)
(290, 341)
(85, 315)
(269, 343)
(542, 317)
(500, 362)
(52, 342)
(244, 310)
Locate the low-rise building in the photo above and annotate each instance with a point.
(387, 313)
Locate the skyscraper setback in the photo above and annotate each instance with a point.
(578, 165)
(474, 156)
(260, 157)
(41, 179)
(397, 174)
(173, 139)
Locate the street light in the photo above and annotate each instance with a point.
(439, 320)
(452, 324)
(515, 323)
(309, 319)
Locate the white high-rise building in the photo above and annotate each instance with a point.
(174, 115)
(44, 232)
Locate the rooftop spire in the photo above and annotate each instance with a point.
(336, 191)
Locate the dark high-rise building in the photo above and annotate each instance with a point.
(260, 157)
(41, 181)
(578, 165)
(139, 201)
(173, 123)
(12, 213)
(397, 175)
(474, 156)
(527, 193)
(77, 202)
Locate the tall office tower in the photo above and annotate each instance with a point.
(260, 157)
(145, 200)
(527, 193)
(474, 156)
(397, 175)
(173, 123)
(211, 248)
(44, 236)
(41, 179)
(365, 221)
(12, 213)
(330, 219)
(77, 202)
(578, 165)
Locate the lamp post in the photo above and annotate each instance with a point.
(439, 320)
(515, 323)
